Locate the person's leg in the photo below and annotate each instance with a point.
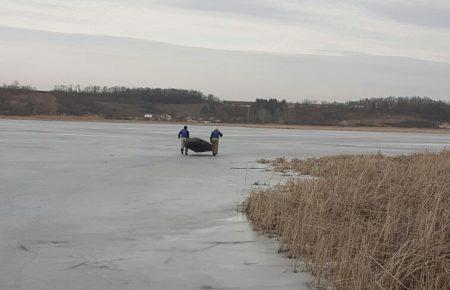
(215, 145)
(183, 145)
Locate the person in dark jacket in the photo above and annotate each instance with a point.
(214, 138)
(183, 136)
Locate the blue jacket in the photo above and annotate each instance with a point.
(183, 133)
(216, 134)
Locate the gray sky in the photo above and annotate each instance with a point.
(236, 49)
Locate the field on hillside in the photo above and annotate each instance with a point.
(363, 221)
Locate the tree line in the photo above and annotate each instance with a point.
(328, 113)
(136, 94)
(124, 102)
(422, 106)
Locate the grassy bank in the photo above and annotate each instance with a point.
(92, 118)
(366, 222)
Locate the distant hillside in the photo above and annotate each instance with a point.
(190, 105)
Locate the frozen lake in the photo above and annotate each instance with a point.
(115, 206)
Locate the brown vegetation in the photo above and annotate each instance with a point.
(366, 222)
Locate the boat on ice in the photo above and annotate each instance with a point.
(198, 145)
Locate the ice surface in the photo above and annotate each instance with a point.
(115, 206)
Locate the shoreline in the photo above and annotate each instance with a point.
(242, 125)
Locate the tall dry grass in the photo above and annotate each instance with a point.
(367, 222)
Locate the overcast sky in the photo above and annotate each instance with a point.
(236, 49)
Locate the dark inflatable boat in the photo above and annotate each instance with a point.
(198, 145)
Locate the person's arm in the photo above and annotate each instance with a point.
(188, 134)
(210, 137)
(220, 134)
(179, 134)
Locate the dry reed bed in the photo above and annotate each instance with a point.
(369, 222)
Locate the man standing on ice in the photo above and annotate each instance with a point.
(183, 135)
(214, 138)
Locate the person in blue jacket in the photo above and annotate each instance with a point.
(214, 138)
(184, 135)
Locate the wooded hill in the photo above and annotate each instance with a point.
(191, 105)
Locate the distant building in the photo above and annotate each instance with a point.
(166, 117)
(343, 124)
(444, 125)
(158, 117)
